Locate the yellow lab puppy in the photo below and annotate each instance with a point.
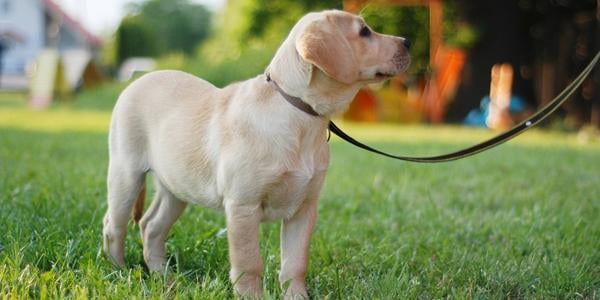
(244, 149)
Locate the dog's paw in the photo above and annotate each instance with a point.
(248, 286)
(112, 247)
(294, 290)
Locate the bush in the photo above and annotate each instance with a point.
(248, 64)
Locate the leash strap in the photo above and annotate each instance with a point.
(493, 142)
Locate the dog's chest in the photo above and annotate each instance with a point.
(289, 190)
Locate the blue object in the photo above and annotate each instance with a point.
(476, 117)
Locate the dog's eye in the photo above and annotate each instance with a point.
(365, 32)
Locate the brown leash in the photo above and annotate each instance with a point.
(491, 143)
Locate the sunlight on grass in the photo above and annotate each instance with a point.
(64, 117)
(12, 99)
(54, 120)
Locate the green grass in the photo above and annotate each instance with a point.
(519, 221)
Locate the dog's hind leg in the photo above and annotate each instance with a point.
(155, 225)
(125, 184)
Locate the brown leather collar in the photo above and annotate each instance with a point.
(295, 101)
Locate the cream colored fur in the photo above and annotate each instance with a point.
(242, 149)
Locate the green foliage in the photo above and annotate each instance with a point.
(457, 32)
(173, 61)
(265, 14)
(162, 26)
(249, 25)
(135, 38)
(250, 63)
(108, 52)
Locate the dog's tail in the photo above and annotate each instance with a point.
(138, 207)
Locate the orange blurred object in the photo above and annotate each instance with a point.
(442, 85)
(364, 108)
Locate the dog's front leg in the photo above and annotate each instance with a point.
(243, 223)
(295, 238)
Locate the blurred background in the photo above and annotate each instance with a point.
(478, 63)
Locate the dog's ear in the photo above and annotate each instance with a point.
(323, 45)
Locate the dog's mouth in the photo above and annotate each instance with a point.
(381, 76)
(384, 75)
(401, 63)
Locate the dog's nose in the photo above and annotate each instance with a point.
(406, 43)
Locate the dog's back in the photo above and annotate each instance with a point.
(145, 103)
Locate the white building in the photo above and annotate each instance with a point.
(28, 26)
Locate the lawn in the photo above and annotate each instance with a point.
(519, 221)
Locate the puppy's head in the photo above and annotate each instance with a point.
(328, 56)
(343, 46)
